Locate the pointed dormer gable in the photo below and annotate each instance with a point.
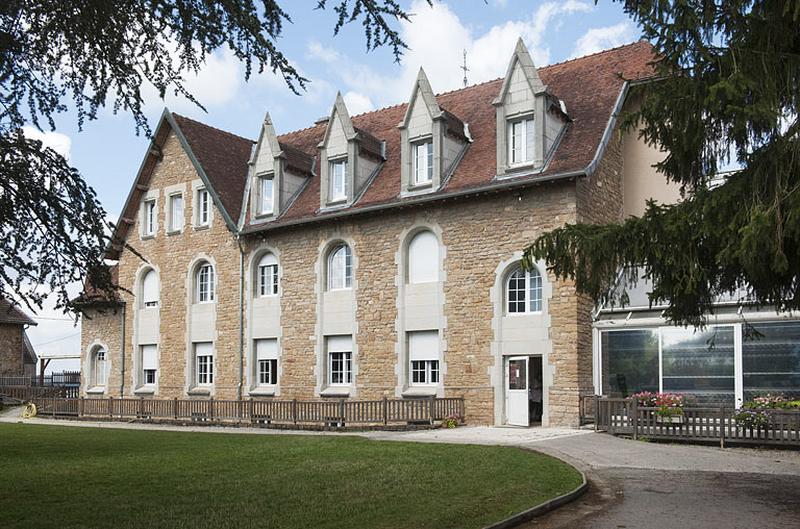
(431, 140)
(349, 158)
(527, 125)
(276, 173)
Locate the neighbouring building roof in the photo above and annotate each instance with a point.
(11, 313)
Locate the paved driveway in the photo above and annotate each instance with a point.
(645, 485)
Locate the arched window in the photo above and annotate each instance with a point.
(98, 367)
(340, 268)
(267, 276)
(524, 291)
(204, 283)
(150, 289)
(423, 258)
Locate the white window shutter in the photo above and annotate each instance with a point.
(340, 344)
(150, 287)
(423, 258)
(423, 345)
(267, 349)
(203, 348)
(529, 140)
(149, 357)
(268, 259)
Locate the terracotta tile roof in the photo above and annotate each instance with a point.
(92, 296)
(11, 313)
(223, 157)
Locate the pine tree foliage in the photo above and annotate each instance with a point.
(83, 55)
(728, 89)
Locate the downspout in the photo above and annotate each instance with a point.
(241, 318)
(122, 363)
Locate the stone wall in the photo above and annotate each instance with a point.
(102, 327)
(11, 350)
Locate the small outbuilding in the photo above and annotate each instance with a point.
(17, 357)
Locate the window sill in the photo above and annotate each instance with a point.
(97, 390)
(264, 216)
(201, 227)
(337, 203)
(199, 391)
(174, 232)
(420, 391)
(148, 237)
(145, 390)
(262, 392)
(336, 391)
(420, 187)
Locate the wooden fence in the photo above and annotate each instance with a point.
(329, 413)
(65, 378)
(27, 393)
(714, 424)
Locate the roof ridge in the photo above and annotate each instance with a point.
(601, 52)
(213, 127)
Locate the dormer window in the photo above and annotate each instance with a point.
(266, 194)
(520, 141)
(338, 180)
(422, 163)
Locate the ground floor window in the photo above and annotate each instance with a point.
(423, 357)
(721, 364)
(204, 363)
(266, 356)
(340, 360)
(149, 360)
(99, 367)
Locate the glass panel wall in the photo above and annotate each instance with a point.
(771, 359)
(630, 361)
(699, 363)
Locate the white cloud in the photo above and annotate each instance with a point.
(598, 39)
(439, 28)
(357, 103)
(61, 143)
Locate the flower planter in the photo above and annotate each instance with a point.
(672, 419)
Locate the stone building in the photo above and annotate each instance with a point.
(17, 356)
(377, 255)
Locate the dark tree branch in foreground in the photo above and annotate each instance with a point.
(84, 55)
(730, 88)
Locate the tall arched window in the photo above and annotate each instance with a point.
(267, 276)
(340, 268)
(150, 289)
(204, 283)
(524, 291)
(423, 258)
(98, 367)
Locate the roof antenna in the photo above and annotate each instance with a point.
(464, 67)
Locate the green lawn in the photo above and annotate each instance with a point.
(66, 477)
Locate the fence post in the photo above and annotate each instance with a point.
(54, 405)
(635, 406)
(385, 411)
(294, 410)
(596, 412)
(141, 407)
(80, 407)
(110, 406)
(722, 427)
(211, 408)
(341, 410)
(431, 410)
(251, 406)
(175, 409)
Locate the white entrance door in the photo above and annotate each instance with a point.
(517, 391)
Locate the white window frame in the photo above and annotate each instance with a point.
(149, 218)
(347, 368)
(206, 376)
(147, 304)
(525, 150)
(267, 277)
(428, 368)
(145, 369)
(345, 282)
(271, 372)
(417, 264)
(424, 358)
(422, 175)
(265, 207)
(205, 287)
(203, 216)
(531, 283)
(145, 374)
(99, 367)
(337, 191)
(175, 221)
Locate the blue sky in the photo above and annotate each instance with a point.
(108, 153)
